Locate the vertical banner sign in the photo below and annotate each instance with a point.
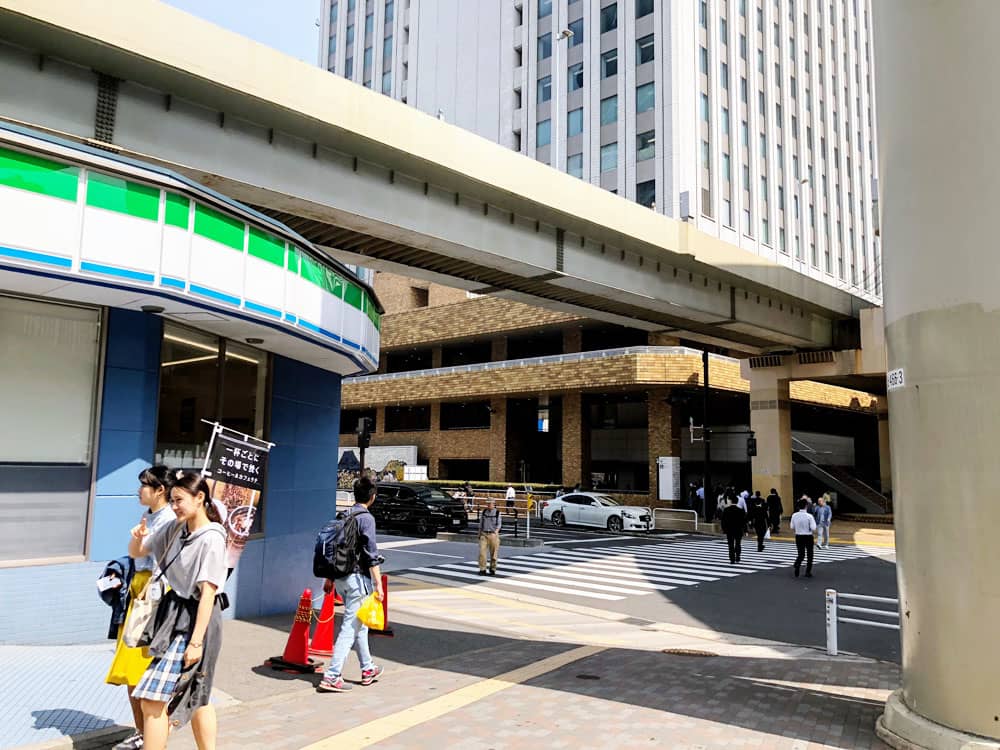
(236, 468)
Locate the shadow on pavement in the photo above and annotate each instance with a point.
(69, 720)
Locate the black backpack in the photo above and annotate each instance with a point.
(336, 553)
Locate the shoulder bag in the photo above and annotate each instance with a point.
(143, 606)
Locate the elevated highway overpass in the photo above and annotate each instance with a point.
(378, 183)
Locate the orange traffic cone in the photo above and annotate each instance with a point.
(386, 630)
(296, 658)
(337, 598)
(322, 642)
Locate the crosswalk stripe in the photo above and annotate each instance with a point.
(536, 577)
(694, 565)
(683, 571)
(550, 563)
(548, 570)
(779, 548)
(633, 569)
(713, 558)
(437, 571)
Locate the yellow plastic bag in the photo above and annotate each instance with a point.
(371, 613)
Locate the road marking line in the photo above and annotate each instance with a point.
(591, 541)
(418, 552)
(508, 574)
(385, 727)
(521, 584)
(407, 543)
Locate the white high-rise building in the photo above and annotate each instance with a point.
(753, 119)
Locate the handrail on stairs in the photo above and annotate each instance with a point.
(883, 500)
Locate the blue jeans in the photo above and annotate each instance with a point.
(824, 535)
(353, 633)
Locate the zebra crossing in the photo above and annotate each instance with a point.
(615, 572)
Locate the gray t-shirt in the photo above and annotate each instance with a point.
(202, 557)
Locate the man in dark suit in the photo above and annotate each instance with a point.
(757, 513)
(774, 510)
(734, 524)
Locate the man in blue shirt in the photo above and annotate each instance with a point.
(354, 588)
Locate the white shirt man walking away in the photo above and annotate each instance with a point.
(489, 537)
(803, 526)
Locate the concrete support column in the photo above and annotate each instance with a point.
(771, 421)
(436, 356)
(884, 449)
(664, 439)
(936, 65)
(572, 340)
(498, 437)
(575, 441)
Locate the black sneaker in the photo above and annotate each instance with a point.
(482, 572)
(133, 742)
(493, 572)
(796, 572)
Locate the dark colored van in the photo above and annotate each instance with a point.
(420, 507)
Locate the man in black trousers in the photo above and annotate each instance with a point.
(734, 524)
(757, 513)
(804, 526)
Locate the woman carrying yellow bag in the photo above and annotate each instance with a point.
(129, 664)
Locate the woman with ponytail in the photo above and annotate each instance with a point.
(187, 634)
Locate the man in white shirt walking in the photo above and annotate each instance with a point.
(803, 526)
(511, 496)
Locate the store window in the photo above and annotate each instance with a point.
(48, 398)
(204, 377)
(407, 418)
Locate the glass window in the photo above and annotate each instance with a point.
(609, 157)
(544, 8)
(645, 194)
(386, 49)
(703, 14)
(574, 80)
(333, 13)
(333, 45)
(645, 50)
(704, 107)
(574, 165)
(743, 90)
(544, 89)
(545, 46)
(407, 418)
(645, 97)
(574, 122)
(609, 63)
(350, 34)
(577, 28)
(706, 155)
(645, 145)
(723, 32)
(726, 168)
(609, 18)
(609, 110)
(543, 133)
(724, 75)
(387, 82)
(349, 68)
(643, 8)
(369, 23)
(351, 4)
(368, 61)
(725, 121)
(702, 60)
(389, 8)
(727, 212)
(743, 46)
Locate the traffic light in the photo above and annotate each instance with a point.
(751, 447)
(364, 436)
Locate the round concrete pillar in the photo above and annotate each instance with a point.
(938, 106)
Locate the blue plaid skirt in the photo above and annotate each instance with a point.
(161, 677)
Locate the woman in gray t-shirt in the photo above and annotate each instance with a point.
(187, 634)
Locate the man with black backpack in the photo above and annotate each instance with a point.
(347, 556)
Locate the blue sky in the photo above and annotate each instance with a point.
(287, 25)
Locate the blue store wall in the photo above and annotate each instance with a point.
(301, 490)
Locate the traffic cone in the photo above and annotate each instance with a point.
(322, 642)
(386, 630)
(296, 658)
(337, 598)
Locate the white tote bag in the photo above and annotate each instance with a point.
(144, 606)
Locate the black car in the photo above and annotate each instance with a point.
(421, 507)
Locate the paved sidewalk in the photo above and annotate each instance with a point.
(474, 670)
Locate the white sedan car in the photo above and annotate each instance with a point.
(595, 509)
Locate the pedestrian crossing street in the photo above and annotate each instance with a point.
(615, 572)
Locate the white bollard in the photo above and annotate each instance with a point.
(831, 622)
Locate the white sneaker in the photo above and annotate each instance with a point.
(133, 742)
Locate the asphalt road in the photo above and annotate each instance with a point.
(680, 579)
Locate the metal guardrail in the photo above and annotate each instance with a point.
(834, 608)
(694, 513)
(531, 361)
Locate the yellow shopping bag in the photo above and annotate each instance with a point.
(371, 613)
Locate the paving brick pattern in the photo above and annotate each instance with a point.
(640, 699)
